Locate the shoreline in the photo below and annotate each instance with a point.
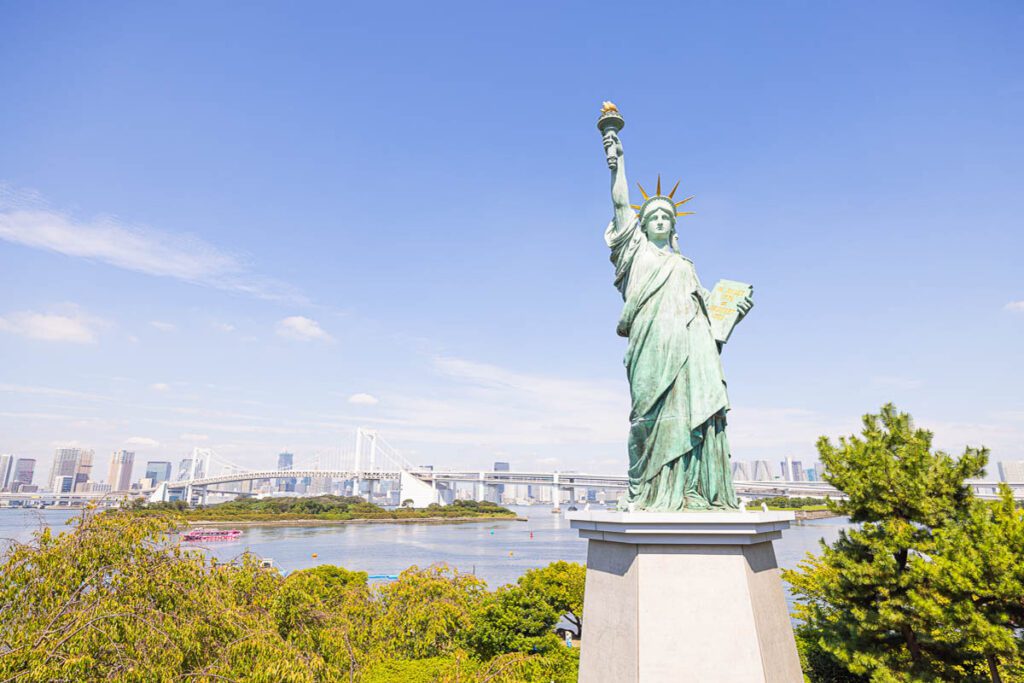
(338, 522)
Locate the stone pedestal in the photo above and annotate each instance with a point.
(685, 596)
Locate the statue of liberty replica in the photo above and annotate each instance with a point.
(678, 451)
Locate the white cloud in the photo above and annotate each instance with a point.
(1015, 306)
(482, 405)
(25, 220)
(363, 399)
(756, 432)
(50, 391)
(301, 328)
(159, 386)
(162, 326)
(141, 441)
(74, 327)
(189, 436)
(224, 327)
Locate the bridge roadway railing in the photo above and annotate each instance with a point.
(562, 480)
(985, 489)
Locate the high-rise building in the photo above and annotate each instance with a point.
(501, 467)
(762, 472)
(120, 477)
(65, 462)
(792, 470)
(6, 467)
(740, 470)
(83, 470)
(24, 472)
(158, 471)
(1011, 470)
(285, 461)
(819, 471)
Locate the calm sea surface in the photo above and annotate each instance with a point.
(498, 552)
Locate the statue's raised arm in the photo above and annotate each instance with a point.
(610, 124)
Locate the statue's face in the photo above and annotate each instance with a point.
(658, 223)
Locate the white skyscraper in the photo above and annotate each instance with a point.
(792, 470)
(120, 477)
(819, 471)
(83, 470)
(6, 467)
(1011, 470)
(762, 471)
(741, 470)
(65, 464)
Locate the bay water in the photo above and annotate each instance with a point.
(497, 551)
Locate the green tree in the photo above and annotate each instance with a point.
(863, 601)
(513, 620)
(425, 612)
(115, 599)
(973, 586)
(328, 611)
(560, 585)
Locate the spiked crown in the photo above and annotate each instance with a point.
(658, 196)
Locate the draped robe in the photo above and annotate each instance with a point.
(678, 451)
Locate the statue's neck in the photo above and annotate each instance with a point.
(661, 244)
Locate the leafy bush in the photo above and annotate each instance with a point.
(319, 507)
(116, 598)
(791, 503)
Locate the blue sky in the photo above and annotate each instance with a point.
(255, 227)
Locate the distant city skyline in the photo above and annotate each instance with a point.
(210, 244)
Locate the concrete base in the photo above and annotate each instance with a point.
(691, 596)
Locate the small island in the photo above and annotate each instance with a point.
(326, 510)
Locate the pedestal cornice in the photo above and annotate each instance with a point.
(680, 528)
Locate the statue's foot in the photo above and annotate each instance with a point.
(696, 502)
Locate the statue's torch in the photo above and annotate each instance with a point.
(610, 120)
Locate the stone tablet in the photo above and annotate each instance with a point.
(722, 307)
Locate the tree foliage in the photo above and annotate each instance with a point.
(927, 588)
(283, 508)
(513, 620)
(560, 585)
(116, 598)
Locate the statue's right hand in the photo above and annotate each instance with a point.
(612, 149)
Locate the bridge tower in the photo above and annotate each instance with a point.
(365, 438)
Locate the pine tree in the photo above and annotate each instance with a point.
(863, 601)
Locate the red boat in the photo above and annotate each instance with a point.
(203, 535)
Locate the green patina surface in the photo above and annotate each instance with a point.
(678, 450)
